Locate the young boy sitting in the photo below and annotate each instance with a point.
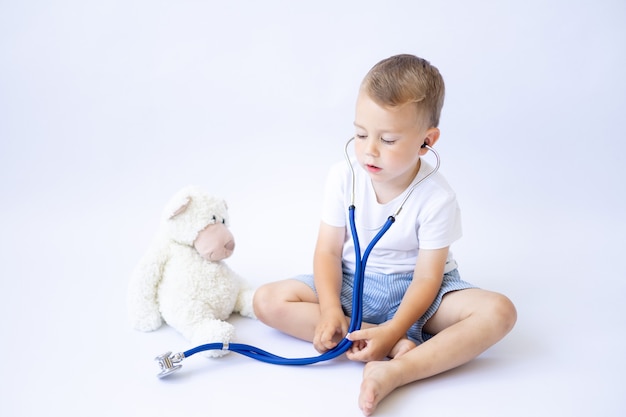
(416, 310)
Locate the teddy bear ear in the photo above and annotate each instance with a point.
(181, 209)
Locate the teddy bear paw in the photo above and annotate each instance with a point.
(213, 331)
(147, 323)
(244, 303)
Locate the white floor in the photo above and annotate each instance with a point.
(107, 108)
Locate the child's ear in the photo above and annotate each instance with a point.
(431, 137)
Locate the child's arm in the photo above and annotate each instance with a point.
(328, 277)
(376, 342)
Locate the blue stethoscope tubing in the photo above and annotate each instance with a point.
(168, 362)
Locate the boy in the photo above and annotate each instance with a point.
(417, 310)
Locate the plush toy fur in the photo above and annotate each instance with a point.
(182, 279)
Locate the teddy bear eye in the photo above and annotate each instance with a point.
(213, 220)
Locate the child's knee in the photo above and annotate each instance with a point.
(262, 302)
(268, 301)
(273, 301)
(504, 311)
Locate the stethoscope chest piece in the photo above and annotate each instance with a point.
(168, 362)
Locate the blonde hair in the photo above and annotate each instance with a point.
(403, 79)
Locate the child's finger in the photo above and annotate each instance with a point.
(358, 354)
(358, 335)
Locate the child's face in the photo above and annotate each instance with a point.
(388, 142)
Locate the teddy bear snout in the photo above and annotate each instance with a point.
(215, 243)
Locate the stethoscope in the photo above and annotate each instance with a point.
(170, 363)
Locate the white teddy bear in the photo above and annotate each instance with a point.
(183, 280)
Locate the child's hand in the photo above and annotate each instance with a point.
(373, 344)
(330, 330)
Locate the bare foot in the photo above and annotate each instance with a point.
(402, 347)
(379, 379)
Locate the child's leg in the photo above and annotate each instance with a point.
(290, 306)
(465, 325)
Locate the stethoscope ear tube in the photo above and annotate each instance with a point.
(359, 274)
(359, 277)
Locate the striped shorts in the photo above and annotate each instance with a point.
(382, 295)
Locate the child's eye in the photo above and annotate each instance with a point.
(388, 141)
(359, 136)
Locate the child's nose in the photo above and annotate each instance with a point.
(371, 146)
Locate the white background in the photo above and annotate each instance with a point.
(107, 108)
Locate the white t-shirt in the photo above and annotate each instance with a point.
(430, 219)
